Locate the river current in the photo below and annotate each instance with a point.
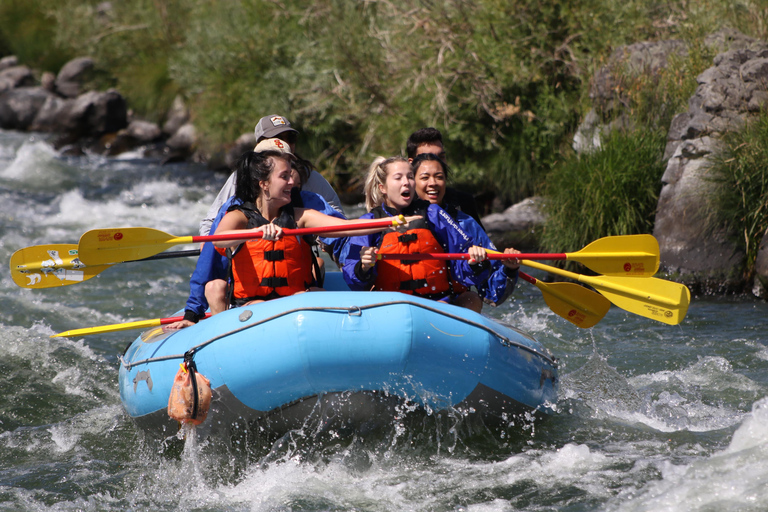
(650, 417)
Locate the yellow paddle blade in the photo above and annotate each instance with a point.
(580, 306)
(657, 299)
(85, 331)
(49, 266)
(105, 246)
(625, 255)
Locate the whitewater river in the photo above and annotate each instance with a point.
(650, 417)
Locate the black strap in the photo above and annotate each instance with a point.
(276, 255)
(413, 284)
(407, 238)
(192, 369)
(274, 282)
(230, 277)
(319, 275)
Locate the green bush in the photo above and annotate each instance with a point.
(28, 31)
(611, 191)
(741, 173)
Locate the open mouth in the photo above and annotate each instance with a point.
(406, 194)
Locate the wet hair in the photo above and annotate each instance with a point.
(303, 167)
(423, 136)
(377, 175)
(430, 157)
(251, 169)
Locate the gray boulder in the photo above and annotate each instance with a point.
(142, 131)
(19, 107)
(178, 116)
(16, 76)
(53, 116)
(100, 112)
(691, 243)
(91, 114)
(627, 61)
(760, 288)
(73, 75)
(137, 134)
(8, 62)
(518, 225)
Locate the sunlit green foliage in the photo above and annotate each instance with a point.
(28, 32)
(741, 173)
(611, 191)
(506, 81)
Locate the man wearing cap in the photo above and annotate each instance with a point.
(273, 127)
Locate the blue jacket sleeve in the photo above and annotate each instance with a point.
(210, 265)
(455, 240)
(350, 270)
(501, 282)
(337, 246)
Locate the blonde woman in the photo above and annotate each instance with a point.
(390, 190)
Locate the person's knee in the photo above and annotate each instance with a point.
(470, 300)
(216, 287)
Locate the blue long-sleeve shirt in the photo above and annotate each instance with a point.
(502, 280)
(448, 234)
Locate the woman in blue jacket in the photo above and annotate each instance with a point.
(390, 191)
(431, 174)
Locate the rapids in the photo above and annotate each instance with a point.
(650, 417)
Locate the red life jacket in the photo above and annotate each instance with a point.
(264, 269)
(427, 278)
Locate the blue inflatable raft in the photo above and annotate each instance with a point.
(272, 364)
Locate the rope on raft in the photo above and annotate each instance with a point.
(354, 310)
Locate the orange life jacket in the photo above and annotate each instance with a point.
(427, 278)
(264, 269)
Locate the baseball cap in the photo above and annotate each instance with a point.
(272, 126)
(274, 145)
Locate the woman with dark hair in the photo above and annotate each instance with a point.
(274, 265)
(431, 174)
(390, 191)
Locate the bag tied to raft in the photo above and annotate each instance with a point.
(189, 403)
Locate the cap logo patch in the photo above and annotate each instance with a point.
(278, 121)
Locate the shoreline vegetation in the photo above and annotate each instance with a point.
(575, 103)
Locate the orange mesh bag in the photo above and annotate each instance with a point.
(189, 403)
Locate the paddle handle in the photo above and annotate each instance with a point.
(393, 221)
(465, 256)
(127, 326)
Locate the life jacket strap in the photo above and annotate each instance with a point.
(276, 255)
(413, 284)
(274, 282)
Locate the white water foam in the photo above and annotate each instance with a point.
(668, 401)
(156, 204)
(733, 479)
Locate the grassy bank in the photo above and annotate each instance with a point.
(741, 174)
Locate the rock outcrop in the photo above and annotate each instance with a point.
(692, 247)
(518, 225)
(691, 244)
(88, 120)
